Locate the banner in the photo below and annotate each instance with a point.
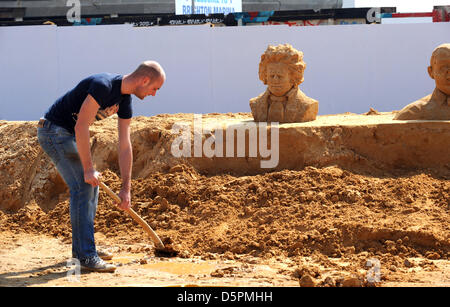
(184, 7)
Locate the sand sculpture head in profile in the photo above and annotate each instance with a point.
(437, 105)
(281, 68)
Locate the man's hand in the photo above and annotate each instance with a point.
(92, 177)
(125, 196)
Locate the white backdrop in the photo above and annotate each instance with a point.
(349, 68)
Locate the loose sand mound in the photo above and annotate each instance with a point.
(329, 209)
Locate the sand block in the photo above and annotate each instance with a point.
(348, 140)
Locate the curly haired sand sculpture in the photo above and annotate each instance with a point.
(281, 68)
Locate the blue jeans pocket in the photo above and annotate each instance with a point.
(63, 131)
(62, 135)
(45, 139)
(67, 142)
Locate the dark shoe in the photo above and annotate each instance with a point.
(96, 264)
(104, 254)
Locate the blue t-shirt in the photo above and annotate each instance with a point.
(105, 88)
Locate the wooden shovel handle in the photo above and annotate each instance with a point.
(135, 217)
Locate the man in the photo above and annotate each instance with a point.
(437, 105)
(281, 69)
(64, 135)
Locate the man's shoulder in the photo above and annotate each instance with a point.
(103, 78)
(103, 85)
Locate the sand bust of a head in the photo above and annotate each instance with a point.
(439, 68)
(435, 106)
(282, 69)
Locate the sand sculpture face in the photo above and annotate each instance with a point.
(278, 79)
(439, 70)
(281, 69)
(437, 105)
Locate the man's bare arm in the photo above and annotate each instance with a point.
(125, 161)
(86, 117)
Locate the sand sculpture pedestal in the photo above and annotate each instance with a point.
(348, 140)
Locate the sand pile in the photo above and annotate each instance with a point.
(291, 213)
(328, 211)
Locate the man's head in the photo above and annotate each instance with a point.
(281, 68)
(439, 68)
(148, 79)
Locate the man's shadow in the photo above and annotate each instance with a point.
(42, 275)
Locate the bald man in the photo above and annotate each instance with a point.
(63, 134)
(437, 105)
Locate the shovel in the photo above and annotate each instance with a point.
(158, 243)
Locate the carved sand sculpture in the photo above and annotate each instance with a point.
(281, 68)
(437, 105)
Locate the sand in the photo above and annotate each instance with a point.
(316, 223)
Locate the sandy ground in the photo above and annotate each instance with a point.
(40, 260)
(49, 266)
(347, 224)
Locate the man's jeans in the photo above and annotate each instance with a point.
(60, 146)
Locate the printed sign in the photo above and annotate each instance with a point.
(184, 7)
